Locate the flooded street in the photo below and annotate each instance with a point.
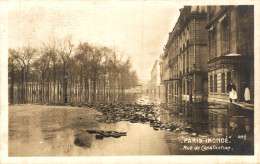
(44, 130)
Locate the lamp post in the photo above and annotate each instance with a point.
(65, 87)
(189, 80)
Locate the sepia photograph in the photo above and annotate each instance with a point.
(136, 79)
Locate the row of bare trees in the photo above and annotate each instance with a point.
(62, 72)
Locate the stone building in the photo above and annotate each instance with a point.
(184, 62)
(230, 50)
(155, 86)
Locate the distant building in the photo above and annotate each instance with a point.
(184, 62)
(136, 89)
(155, 86)
(230, 50)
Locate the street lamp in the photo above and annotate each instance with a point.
(190, 75)
(65, 87)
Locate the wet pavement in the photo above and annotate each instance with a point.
(178, 129)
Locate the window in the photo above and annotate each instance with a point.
(183, 63)
(211, 83)
(184, 87)
(222, 82)
(245, 32)
(225, 36)
(215, 84)
(212, 10)
(188, 61)
(177, 89)
(212, 44)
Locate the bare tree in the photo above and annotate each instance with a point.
(51, 51)
(106, 57)
(95, 60)
(12, 67)
(90, 69)
(65, 51)
(24, 58)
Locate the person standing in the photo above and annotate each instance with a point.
(231, 88)
(247, 94)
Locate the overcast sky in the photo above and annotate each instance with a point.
(139, 29)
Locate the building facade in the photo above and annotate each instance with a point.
(165, 76)
(155, 86)
(230, 50)
(184, 62)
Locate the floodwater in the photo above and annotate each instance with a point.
(41, 130)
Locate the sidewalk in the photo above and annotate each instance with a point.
(243, 105)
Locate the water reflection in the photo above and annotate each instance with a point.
(212, 123)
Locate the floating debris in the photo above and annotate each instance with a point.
(155, 128)
(100, 134)
(134, 113)
(91, 131)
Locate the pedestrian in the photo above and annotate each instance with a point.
(231, 88)
(247, 94)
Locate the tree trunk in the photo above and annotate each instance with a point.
(104, 91)
(23, 98)
(71, 86)
(54, 81)
(58, 90)
(19, 94)
(86, 89)
(48, 89)
(76, 91)
(81, 84)
(99, 90)
(94, 89)
(26, 86)
(114, 88)
(12, 88)
(38, 90)
(42, 88)
(31, 91)
(64, 84)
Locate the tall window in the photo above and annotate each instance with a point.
(183, 63)
(212, 10)
(225, 36)
(211, 83)
(215, 84)
(184, 87)
(188, 60)
(222, 82)
(212, 44)
(245, 37)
